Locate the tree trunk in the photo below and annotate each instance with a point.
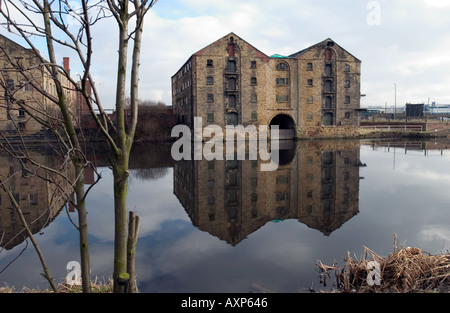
(120, 173)
(82, 228)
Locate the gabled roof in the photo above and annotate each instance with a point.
(326, 41)
(199, 52)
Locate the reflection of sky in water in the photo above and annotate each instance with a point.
(403, 194)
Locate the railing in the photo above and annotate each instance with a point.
(404, 127)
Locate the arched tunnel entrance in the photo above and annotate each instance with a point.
(285, 124)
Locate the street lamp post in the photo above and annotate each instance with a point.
(395, 100)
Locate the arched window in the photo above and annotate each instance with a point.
(282, 66)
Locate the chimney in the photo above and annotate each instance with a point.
(66, 64)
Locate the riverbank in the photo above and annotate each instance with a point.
(405, 270)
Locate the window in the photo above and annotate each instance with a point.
(328, 70)
(347, 67)
(254, 116)
(254, 98)
(210, 80)
(282, 98)
(10, 84)
(231, 66)
(328, 102)
(347, 99)
(209, 63)
(309, 116)
(309, 66)
(253, 81)
(281, 196)
(211, 184)
(347, 115)
(232, 118)
(282, 180)
(310, 82)
(210, 97)
(232, 101)
(21, 113)
(282, 66)
(232, 179)
(347, 83)
(310, 99)
(252, 64)
(282, 81)
(210, 117)
(28, 87)
(33, 198)
(328, 86)
(254, 197)
(232, 83)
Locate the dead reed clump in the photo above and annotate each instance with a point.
(406, 270)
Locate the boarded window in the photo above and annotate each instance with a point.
(232, 84)
(328, 102)
(328, 86)
(328, 70)
(232, 101)
(232, 118)
(282, 98)
(231, 66)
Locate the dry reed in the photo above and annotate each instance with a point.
(406, 270)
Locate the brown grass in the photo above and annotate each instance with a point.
(406, 270)
(97, 286)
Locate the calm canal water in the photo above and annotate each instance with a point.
(226, 226)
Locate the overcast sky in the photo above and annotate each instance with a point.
(402, 42)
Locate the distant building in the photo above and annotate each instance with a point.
(231, 82)
(414, 110)
(23, 77)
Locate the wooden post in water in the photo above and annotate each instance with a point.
(133, 231)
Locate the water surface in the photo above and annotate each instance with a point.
(226, 226)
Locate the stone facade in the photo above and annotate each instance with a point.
(24, 78)
(230, 82)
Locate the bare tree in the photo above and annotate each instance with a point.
(53, 28)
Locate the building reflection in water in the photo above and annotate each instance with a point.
(40, 198)
(317, 183)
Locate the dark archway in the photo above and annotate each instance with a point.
(286, 126)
